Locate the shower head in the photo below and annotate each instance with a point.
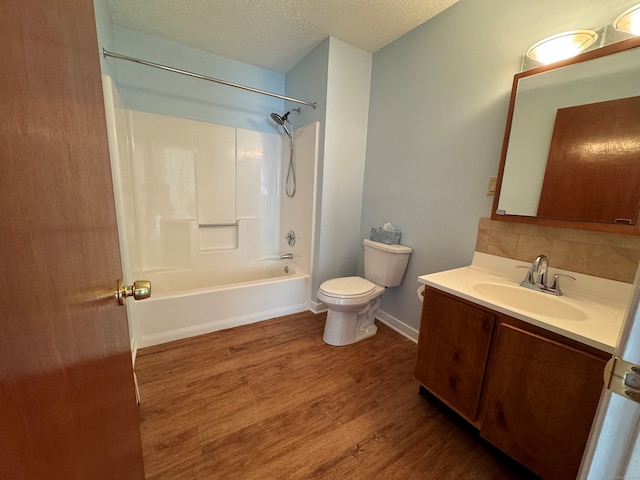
(291, 171)
(282, 121)
(278, 119)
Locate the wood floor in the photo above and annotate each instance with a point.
(272, 401)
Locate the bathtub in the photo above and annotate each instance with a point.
(185, 305)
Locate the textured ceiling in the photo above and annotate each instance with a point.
(274, 34)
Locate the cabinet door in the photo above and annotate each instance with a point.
(452, 351)
(540, 401)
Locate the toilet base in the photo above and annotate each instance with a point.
(344, 328)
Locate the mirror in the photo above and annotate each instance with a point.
(594, 78)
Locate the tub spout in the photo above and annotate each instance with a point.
(286, 256)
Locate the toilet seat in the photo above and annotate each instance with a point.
(347, 287)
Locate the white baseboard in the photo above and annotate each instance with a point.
(392, 322)
(317, 307)
(400, 327)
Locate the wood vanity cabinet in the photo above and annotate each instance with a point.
(533, 394)
(539, 402)
(453, 351)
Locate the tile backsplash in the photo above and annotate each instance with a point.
(599, 254)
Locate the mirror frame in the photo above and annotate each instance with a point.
(575, 224)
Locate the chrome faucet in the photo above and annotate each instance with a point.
(536, 278)
(286, 256)
(538, 270)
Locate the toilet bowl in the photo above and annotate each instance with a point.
(353, 301)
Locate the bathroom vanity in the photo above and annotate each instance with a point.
(525, 368)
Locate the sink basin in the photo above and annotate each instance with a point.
(537, 303)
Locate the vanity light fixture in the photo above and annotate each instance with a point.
(562, 46)
(629, 21)
(568, 44)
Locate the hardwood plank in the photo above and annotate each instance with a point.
(272, 400)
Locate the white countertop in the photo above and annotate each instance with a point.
(602, 302)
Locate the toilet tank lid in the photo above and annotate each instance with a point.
(387, 248)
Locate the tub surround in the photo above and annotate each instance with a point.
(602, 301)
(195, 183)
(206, 197)
(200, 214)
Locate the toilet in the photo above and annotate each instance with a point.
(353, 301)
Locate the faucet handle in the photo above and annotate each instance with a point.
(555, 282)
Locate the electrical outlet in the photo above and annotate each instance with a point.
(491, 187)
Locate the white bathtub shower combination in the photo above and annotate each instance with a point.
(178, 310)
(201, 216)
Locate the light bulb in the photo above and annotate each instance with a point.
(561, 46)
(629, 21)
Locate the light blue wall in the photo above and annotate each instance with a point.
(337, 76)
(349, 77)
(151, 90)
(439, 98)
(104, 28)
(307, 80)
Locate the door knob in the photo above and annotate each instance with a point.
(140, 290)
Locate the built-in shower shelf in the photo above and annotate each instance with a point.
(213, 225)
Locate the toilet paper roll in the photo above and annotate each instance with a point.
(419, 292)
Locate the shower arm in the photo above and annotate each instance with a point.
(119, 56)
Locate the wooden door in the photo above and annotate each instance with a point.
(540, 401)
(67, 405)
(452, 351)
(593, 170)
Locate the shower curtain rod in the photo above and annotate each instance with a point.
(106, 53)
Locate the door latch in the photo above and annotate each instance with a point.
(623, 378)
(140, 290)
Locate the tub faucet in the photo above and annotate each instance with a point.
(286, 256)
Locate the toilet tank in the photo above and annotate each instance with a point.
(385, 264)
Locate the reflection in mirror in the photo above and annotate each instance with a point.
(591, 146)
(595, 77)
